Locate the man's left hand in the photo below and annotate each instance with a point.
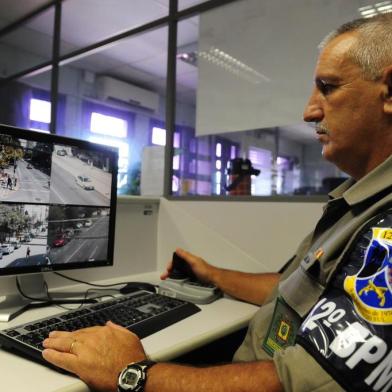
(96, 354)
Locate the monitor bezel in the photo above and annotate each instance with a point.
(21, 133)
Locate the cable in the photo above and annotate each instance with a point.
(32, 298)
(88, 283)
(49, 300)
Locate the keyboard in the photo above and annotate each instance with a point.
(142, 312)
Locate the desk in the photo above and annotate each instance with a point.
(215, 320)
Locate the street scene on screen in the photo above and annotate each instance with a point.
(80, 177)
(38, 235)
(25, 167)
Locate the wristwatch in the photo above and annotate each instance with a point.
(134, 377)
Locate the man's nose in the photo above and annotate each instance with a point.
(313, 111)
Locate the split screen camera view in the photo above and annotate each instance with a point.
(54, 203)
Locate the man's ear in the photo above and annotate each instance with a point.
(387, 89)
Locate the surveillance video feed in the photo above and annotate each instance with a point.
(77, 234)
(80, 177)
(55, 202)
(23, 235)
(24, 170)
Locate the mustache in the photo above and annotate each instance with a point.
(321, 129)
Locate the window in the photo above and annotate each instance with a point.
(39, 115)
(225, 150)
(108, 125)
(111, 127)
(261, 159)
(158, 136)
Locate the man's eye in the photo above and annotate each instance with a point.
(324, 87)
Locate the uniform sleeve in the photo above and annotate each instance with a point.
(299, 372)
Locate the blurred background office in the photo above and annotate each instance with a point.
(191, 83)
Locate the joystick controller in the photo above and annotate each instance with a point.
(182, 283)
(181, 269)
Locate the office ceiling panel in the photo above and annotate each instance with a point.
(12, 10)
(83, 27)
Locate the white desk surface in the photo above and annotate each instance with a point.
(215, 320)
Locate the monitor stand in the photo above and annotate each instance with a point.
(12, 303)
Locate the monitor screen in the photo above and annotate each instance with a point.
(57, 202)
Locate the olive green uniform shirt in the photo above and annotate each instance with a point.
(350, 206)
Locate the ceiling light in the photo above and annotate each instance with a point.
(378, 8)
(222, 59)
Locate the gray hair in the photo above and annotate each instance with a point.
(372, 50)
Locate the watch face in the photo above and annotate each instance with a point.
(131, 379)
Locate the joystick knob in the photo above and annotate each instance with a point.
(180, 269)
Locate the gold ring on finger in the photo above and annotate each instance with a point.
(72, 347)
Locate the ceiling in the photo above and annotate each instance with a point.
(140, 59)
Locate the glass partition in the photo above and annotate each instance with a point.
(243, 74)
(80, 29)
(111, 97)
(242, 85)
(28, 45)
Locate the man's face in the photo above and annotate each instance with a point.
(347, 109)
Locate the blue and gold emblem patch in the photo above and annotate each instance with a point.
(370, 289)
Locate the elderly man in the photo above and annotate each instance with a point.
(325, 323)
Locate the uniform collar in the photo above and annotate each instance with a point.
(374, 182)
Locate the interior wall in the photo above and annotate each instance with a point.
(249, 236)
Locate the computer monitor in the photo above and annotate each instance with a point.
(57, 208)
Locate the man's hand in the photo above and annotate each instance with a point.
(203, 271)
(96, 355)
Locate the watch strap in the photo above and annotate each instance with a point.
(145, 364)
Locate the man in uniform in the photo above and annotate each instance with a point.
(325, 323)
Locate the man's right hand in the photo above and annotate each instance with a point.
(203, 271)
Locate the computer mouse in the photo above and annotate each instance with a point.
(131, 287)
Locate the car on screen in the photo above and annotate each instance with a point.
(59, 241)
(84, 182)
(29, 166)
(88, 222)
(15, 244)
(7, 249)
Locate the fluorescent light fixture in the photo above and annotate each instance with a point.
(224, 60)
(39, 110)
(378, 8)
(108, 125)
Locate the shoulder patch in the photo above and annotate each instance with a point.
(349, 331)
(370, 288)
